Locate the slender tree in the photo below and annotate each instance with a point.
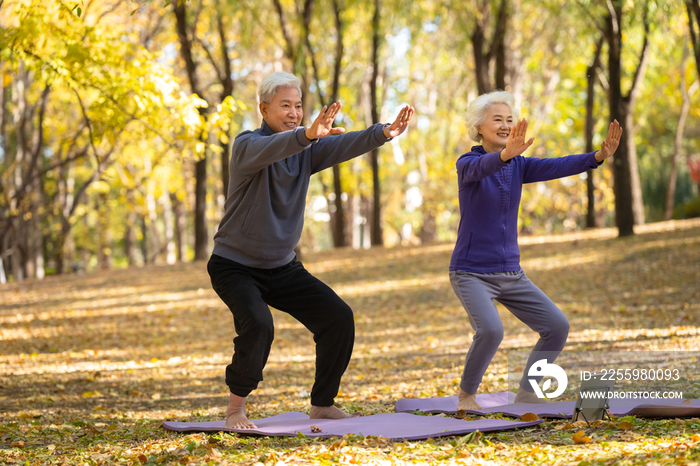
(376, 237)
(200, 220)
(678, 140)
(693, 7)
(496, 50)
(222, 69)
(591, 218)
(338, 229)
(629, 209)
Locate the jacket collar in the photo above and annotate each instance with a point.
(266, 130)
(478, 149)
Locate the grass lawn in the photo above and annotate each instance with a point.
(92, 364)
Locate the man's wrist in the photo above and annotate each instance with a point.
(386, 126)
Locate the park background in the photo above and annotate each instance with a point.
(117, 117)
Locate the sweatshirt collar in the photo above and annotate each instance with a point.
(478, 149)
(266, 130)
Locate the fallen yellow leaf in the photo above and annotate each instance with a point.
(581, 437)
(563, 426)
(625, 426)
(529, 417)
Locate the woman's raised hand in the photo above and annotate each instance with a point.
(323, 124)
(516, 144)
(609, 146)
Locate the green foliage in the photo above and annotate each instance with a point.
(690, 209)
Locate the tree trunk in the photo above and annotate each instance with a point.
(130, 233)
(168, 227)
(497, 49)
(227, 91)
(678, 142)
(629, 209)
(481, 60)
(338, 218)
(376, 226)
(294, 51)
(37, 246)
(636, 182)
(3, 276)
(499, 44)
(144, 240)
(591, 218)
(152, 226)
(339, 228)
(200, 219)
(180, 225)
(21, 159)
(624, 215)
(693, 7)
(104, 232)
(61, 246)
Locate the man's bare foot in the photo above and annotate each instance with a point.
(329, 412)
(467, 401)
(523, 396)
(235, 414)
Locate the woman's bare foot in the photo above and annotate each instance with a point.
(523, 396)
(235, 414)
(329, 412)
(467, 401)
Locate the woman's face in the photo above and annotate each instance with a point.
(496, 127)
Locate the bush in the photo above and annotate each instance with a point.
(690, 209)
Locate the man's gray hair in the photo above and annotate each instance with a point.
(270, 84)
(477, 108)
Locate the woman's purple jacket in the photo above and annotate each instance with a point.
(489, 198)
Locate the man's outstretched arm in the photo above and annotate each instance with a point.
(331, 151)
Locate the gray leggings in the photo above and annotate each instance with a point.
(519, 295)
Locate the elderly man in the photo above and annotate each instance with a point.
(253, 264)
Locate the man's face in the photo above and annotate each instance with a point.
(284, 111)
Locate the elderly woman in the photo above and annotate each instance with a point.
(485, 264)
(253, 264)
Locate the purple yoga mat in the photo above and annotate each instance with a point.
(501, 402)
(494, 403)
(388, 425)
(654, 408)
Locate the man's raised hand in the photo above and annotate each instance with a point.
(609, 146)
(400, 124)
(323, 124)
(516, 143)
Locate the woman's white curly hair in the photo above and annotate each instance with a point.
(477, 108)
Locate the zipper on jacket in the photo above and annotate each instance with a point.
(504, 214)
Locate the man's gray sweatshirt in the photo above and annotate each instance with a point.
(269, 178)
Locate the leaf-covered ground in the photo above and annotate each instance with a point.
(90, 365)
